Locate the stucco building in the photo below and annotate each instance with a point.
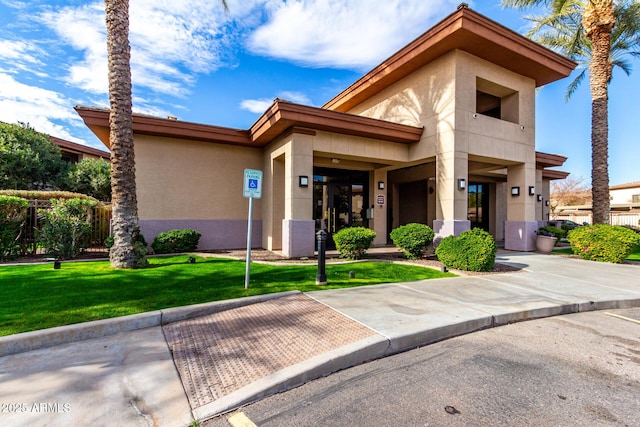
(442, 133)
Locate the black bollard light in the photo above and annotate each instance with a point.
(321, 238)
(56, 264)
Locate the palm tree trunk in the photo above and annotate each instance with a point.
(598, 21)
(600, 130)
(127, 250)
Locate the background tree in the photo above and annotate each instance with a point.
(91, 177)
(600, 33)
(570, 192)
(29, 160)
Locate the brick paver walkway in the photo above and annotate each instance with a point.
(223, 352)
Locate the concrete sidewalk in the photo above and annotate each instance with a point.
(196, 362)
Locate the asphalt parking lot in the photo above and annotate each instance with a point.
(577, 369)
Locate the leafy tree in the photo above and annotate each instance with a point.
(29, 160)
(600, 34)
(13, 213)
(91, 177)
(67, 226)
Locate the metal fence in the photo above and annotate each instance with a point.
(100, 227)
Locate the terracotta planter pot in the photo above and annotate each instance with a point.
(545, 244)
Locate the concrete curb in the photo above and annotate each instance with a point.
(379, 346)
(344, 357)
(44, 338)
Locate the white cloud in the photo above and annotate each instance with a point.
(260, 105)
(37, 106)
(257, 106)
(355, 34)
(171, 41)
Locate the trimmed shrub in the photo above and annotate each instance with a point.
(353, 242)
(602, 242)
(174, 241)
(413, 239)
(552, 231)
(67, 229)
(472, 250)
(13, 212)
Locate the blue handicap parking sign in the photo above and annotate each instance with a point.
(253, 183)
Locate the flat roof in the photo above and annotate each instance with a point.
(281, 117)
(79, 148)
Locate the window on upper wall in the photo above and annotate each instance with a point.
(497, 101)
(635, 198)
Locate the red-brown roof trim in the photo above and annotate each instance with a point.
(546, 160)
(283, 115)
(554, 174)
(97, 119)
(79, 148)
(278, 119)
(465, 30)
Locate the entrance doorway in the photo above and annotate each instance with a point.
(340, 199)
(478, 205)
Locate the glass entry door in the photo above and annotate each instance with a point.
(339, 200)
(478, 205)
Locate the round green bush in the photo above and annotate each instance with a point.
(552, 231)
(472, 250)
(413, 239)
(602, 242)
(174, 241)
(353, 242)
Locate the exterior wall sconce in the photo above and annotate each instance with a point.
(380, 185)
(462, 184)
(532, 190)
(303, 181)
(335, 160)
(546, 203)
(539, 197)
(515, 191)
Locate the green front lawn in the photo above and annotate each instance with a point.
(37, 296)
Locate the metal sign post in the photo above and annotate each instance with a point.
(252, 190)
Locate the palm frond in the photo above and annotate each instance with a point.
(575, 84)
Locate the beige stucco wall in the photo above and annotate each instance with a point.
(183, 179)
(441, 96)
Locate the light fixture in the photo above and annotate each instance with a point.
(539, 197)
(515, 191)
(522, 128)
(335, 160)
(546, 203)
(380, 185)
(462, 184)
(532, 190)
(475, 115)
(303, 181)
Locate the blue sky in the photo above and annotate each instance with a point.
(192, 60)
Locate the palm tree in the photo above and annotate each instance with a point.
(129, 248)
(598, 34)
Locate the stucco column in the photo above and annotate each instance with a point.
(379, 221)
(521, 224)
(298, 227)
(451, 203)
